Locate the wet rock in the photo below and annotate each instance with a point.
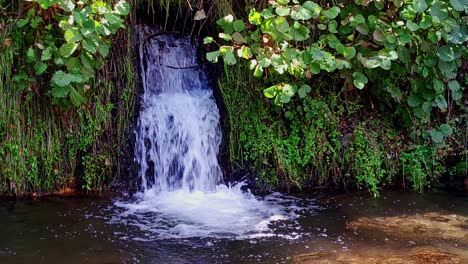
(416, 256)
(430, 225)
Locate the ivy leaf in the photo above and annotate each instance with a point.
(299, 32)
(304, 90)
(459, 5)
(267, 14)
(360, 80)
(238, 38)
(75, 97)
(212, 56)
(67, 49)
(379, 35)
(229, 58)
(122, 8)
(459, 35)
(66, 5)
(332, 12)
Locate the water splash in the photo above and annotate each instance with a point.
(177, 143)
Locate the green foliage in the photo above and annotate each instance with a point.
(41, 145)
(71, 41)
(420, 165)
(422, 43)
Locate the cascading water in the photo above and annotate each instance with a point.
(177, 142)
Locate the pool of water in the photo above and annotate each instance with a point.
(96, 230)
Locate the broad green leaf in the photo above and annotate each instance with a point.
(244, 52)
(229, 58)
(454, 85)
(238, 25)
(22, 22)
(289, 89)
(72, 35)
(104, 49)
(225, 36)
(281, 24)
(122, 8)
(412, 26)
(90, 44)
(304, 90)
(31, 55)
(61, 79)
(313, 8)
(284, 98)
(349, 52)
(67, 49)
(448, 69)
(299, 32)
(300, 13)
(283, 2)
(207, 40)
(459, 5)
(420, 5)
(332, 12)
(267, 14)
(75, 97)
(272, 91)
(459, 35)
(332, 26)
(438, 86)
(212, 56)
(362, 28)
(258, 72)
(426, 22)
(60, 91)
(446, 130)
(86, 60)
(436, 136)
(448, 53)
(379, 35)
(238, 38)
(414, 100)
(40, 68)
(46, 54)
(360, 80)
(255, 18)
(441, 102)
(282, 11)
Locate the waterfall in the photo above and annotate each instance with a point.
(177, 141)
(178, 133)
